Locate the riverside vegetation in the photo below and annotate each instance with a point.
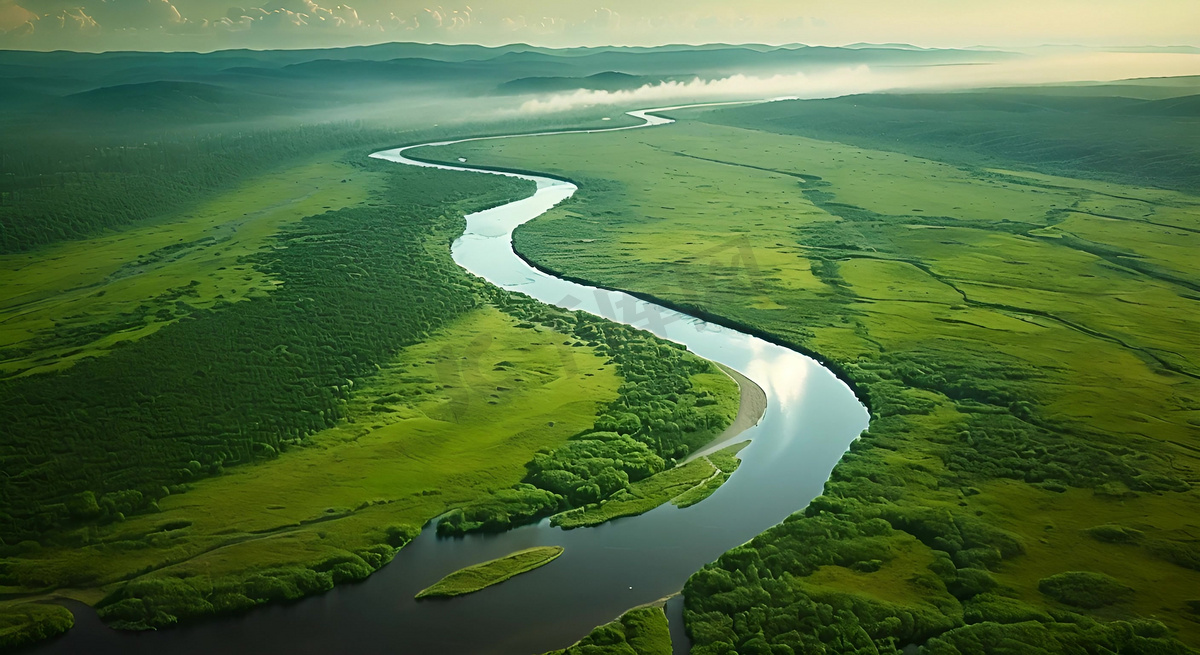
(684, 485)
(1020, 322)
(641, 631)
(277, 407)
(481, 576)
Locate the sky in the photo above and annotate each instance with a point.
(203, 25)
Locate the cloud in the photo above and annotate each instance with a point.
(434, 21)
(74, 20)
(602, 19)
(134, 14)
(16, 20)
(284, 22)
(116, 17)
(275, 19)
(601, 22)
(339, 16)
(299, 14)
(91, 19)
(858, 78)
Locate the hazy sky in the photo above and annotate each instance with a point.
(216, 24)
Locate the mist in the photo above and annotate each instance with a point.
(865, 78)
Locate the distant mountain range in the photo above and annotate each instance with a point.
(234, 85)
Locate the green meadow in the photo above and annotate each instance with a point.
(1024, 340)
(481, 576)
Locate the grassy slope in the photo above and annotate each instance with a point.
(60, 304)
(642, 631)
(481, 576)
(1066, 302)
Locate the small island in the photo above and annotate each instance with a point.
(481, 576)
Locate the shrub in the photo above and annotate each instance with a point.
(1114, 534)
(1084, 589)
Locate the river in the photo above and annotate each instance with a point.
(811, 419)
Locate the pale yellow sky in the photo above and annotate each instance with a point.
(211, 24)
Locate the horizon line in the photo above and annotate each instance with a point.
(894, 45)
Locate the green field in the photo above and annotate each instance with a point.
(670, 404)
(481, 576)
(1024, 342)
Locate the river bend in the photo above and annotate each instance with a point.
(811, 419)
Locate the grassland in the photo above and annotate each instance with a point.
(670, 405)
(242, 381)
(641, 631)
(481, 576)
(76, 299)
(1140, 132)
(1025, 344)
(427, 435)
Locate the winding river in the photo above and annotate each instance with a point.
(811, 419)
